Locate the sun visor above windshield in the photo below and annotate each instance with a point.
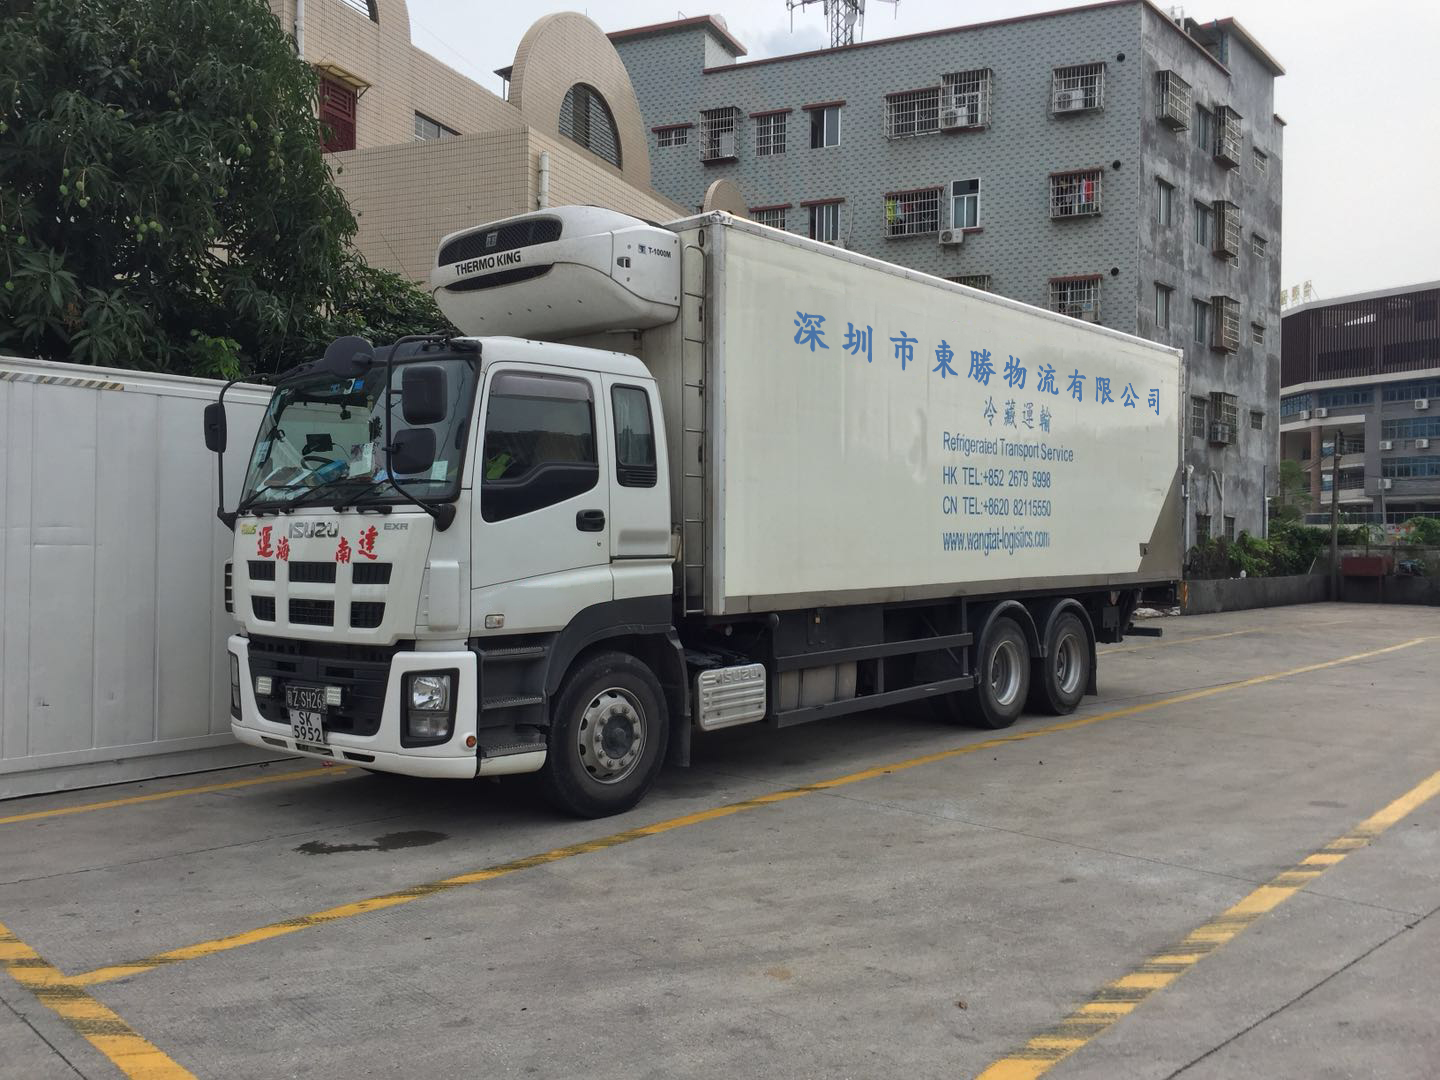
(558, 273)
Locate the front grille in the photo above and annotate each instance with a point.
(518, 234)
(313, 573)
(366, 615)
(312, 612)
(260, 570)
(377, 573)
(361, 672)
(263, 607)
(504, 277)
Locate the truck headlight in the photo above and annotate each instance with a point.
(429, 700)
(234, 686)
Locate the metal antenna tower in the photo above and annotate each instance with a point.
(845, 19)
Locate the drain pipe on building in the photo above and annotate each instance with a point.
(300, 29)
(542, 185)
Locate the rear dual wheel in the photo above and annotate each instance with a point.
(1060, 679)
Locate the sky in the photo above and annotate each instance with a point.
(1360, 98)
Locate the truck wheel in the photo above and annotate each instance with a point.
(1060, 679)
(1002, 675)
(608, 731)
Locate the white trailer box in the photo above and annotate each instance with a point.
(112, 629)
(867, 433)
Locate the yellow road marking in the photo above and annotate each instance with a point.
(133, 800)
(1044, 1051)
(1287, 628)
(133, 1055)
(585, 847)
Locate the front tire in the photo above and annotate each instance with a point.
(1002, 675)
(1060, 679)
(609, 728)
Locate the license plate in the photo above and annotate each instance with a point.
(306, 705)
(308, 726)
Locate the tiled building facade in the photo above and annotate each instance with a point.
(421, 151)
(1362, 374)
(1105, 161)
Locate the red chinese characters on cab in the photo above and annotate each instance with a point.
(262, 543)
(282, 549)
(342, 553)
(366, 546)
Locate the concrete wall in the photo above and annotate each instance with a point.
(1238, 594)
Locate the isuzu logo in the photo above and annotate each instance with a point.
(302, 530)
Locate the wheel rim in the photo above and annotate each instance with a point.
(612, 735)
(1069, 664)
(1005, 673)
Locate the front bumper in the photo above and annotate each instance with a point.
(380, 750)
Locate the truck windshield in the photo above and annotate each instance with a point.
(322, 440)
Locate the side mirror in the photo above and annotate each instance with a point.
(215, 427)
(422, 395)
(413, 451)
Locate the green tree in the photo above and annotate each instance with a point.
(1293, 500)
(164, 202)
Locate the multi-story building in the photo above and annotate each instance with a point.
(421, 151)
(1106, 161)
(1361, 375)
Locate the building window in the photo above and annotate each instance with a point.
(1198, 415)
(1075, 194)
(1341, 399)
(1203, 129)
(1229, 528)
(1259, 246)
(337, 115)
(1260, 159)
(1202, 321)
(774, 216)
(1172, 100)
(824, 126)
(1162, 305)
(585, 118)
(965, 204)
(1077, 88)
(1164, 202)
(770, 134)
(364, 7)
(974, 281)
(1078, 297)
(1226, 313)
(825, 222)
(1410, 468)
(1419, 427)
(1294, 405)
(1257, 420)
(718, 134)
(1411, 391)
(1204, 224)
(1202, 528)
(1227, 229)
(911, 112)
(1257, 333)
(672, 136)
(965, 99)
(1227, 137)
(426, 129)
(911, 213)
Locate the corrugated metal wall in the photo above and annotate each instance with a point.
(1357, 338)
(112, 627)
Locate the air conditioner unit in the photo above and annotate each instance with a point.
(1386, 484)
(1422, 403)
(951, 118)
(1304, 414)
(1422, 444)
(1387, 444)
(951, 237)
(1069, 100)
(1221, 433)
(725, 145)
(1321, 414)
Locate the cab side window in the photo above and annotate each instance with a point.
(539, 444)
(634, 438)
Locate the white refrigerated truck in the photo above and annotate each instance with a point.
(688, 477)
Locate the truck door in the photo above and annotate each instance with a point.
(544, 486)
(639, 493)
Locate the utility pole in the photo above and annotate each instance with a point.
(1335, 518)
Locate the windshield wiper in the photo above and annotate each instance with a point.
(254, 497)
